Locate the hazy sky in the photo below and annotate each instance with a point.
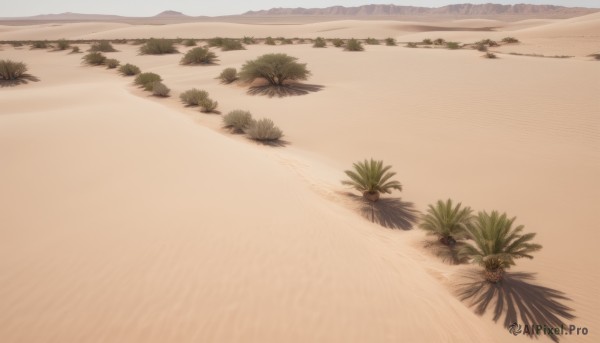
(14, 8)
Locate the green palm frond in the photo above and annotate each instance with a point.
(446, 220)
(371, 176)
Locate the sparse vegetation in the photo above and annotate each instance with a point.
(94, 58)
(159, 89)
(319, 43)
(103, 46)
(129, 70)
(207, 105)
(411, 45)
(111, 63)
(453, 45)
(39, 45)
(11, 70)
(189, 42)
(354, 45)
(390, 41)
(487, 42)
(481, 47)
(193, 97)
(269, 41)
(275, 69)
(231, 44)
(337, 42)
(509, 40)
(264, 130)
(447, 221)
(228, 75)
(248, 40)
(158, 47)
(286, 41)
(496, 244)
(199, 56)
(539, 55)
(372, 41)
(238, 121)
(215, 42)
(427, 41)
(439, 41)
(489, 55)
(16, 44)
(62, 44)
(75, 50)
(146, 80)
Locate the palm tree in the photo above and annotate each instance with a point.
(447, 221)
(496, 244)
(371, 178)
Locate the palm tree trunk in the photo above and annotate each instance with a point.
(372, 212)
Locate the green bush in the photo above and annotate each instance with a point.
(199, 56)
(319, 43)
(453, 45)
(427, 41)
(269, 41)
(231, 44)
(372, 41)
(159, 89)
(411, 45)
(39, 45)
(354, 45)
(111, 63)
(62, 44)
(248, 40)
(217, 41)
(10, 70)
(193, 97)
(228, 75)
(510, 40)
(237, 120)
(146, 80)
(274, 68)
(129, 70)
(103, 46)
(94, 58)
(207, 105)
(390, 42)
(158, 47)
(264, 130)
(337, 42)
(189, 42)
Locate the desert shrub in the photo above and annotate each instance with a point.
(354, 45)
(481, 47)
(510, 40)
(439, 41)
(238, 120)
(62, 44)
(10, 70)
(372, 41)
(274, 68)
(453, 45)
(94, 58)
(319, 43)
(16, 44)
(596, 57)
(129, 70)
(231, 44)
(193, 97)
(217, 41)
(159, 89)
(427, 41)
(489, 55)
(119, 41)
(199, 56)
(75, 50)
(337, 42)
(264, 130)
(269, 41)
(228, 75)
(286, 41)
(39, 45)
(189, 42)
(411, 45)
(248, 40)
(300, 41)
(102, 46)
(158, 47)
(208, 105)
(146, 80)
(390, 42)
(111, 63)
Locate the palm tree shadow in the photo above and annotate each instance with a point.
(291, 89)
(517, 298)
(23, 80)
(445, 253)
(391, 213)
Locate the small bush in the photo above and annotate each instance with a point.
(94, 58)
(439, 41)
(481, 47)
(596, 57)
(269, 41)
(207, 105)
(427, 41)
(354, 45)
(39, 45)
(75, 50)
(159, 89)
(300, 41)
(411, 45)
(217, 41)
(146, 80)
(319, 43)
(337, 42)
(158, 47)
(390, 42)
(489, 55)
(10, 70)
(372, 41)
(193, 97)
(199, 56)
(453, 45)
(16, 44)
(264, 130)
(103, 46)
(248, 40)
(286, 41)
(129, 70)
(228, 75)
(238, 120)
(111, 63)
(189, 42)
(231, 44)
(510, 40)
(275, 69)
(62, 44)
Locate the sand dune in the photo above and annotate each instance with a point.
(127, 218)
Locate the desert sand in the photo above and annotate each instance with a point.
(128, 218)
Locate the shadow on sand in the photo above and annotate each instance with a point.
(24, 79)
(445, 253)
(291, 89)
(516, 298)
(392, 213)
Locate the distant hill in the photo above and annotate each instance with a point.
(540, 11)
(170, 14)
(75, 16)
